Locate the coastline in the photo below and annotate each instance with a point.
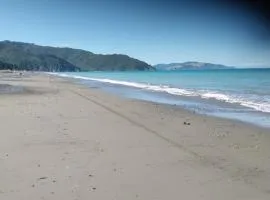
(183, 90)
(174, 107)
(95, 144)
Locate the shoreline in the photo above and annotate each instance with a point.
(220, 115)
(69, 141)
(177, 108)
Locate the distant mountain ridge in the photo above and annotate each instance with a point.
(190, 66)
(26, 56)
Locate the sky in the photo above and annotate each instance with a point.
(154, 31)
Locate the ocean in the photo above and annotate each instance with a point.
(240, 94)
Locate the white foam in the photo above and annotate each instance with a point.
(221, 97)
(259, 106)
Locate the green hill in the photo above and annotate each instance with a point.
(43, 58)
(7, 66)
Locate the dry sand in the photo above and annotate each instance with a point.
(59, 140)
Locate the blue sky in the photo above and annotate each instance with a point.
(153, 31)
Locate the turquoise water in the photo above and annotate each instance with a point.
(242, 94)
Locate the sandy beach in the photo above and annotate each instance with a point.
(61, 140)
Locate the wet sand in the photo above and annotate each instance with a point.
(60, 140)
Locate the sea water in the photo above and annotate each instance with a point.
(242, 94)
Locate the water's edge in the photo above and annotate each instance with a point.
(187, 103)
